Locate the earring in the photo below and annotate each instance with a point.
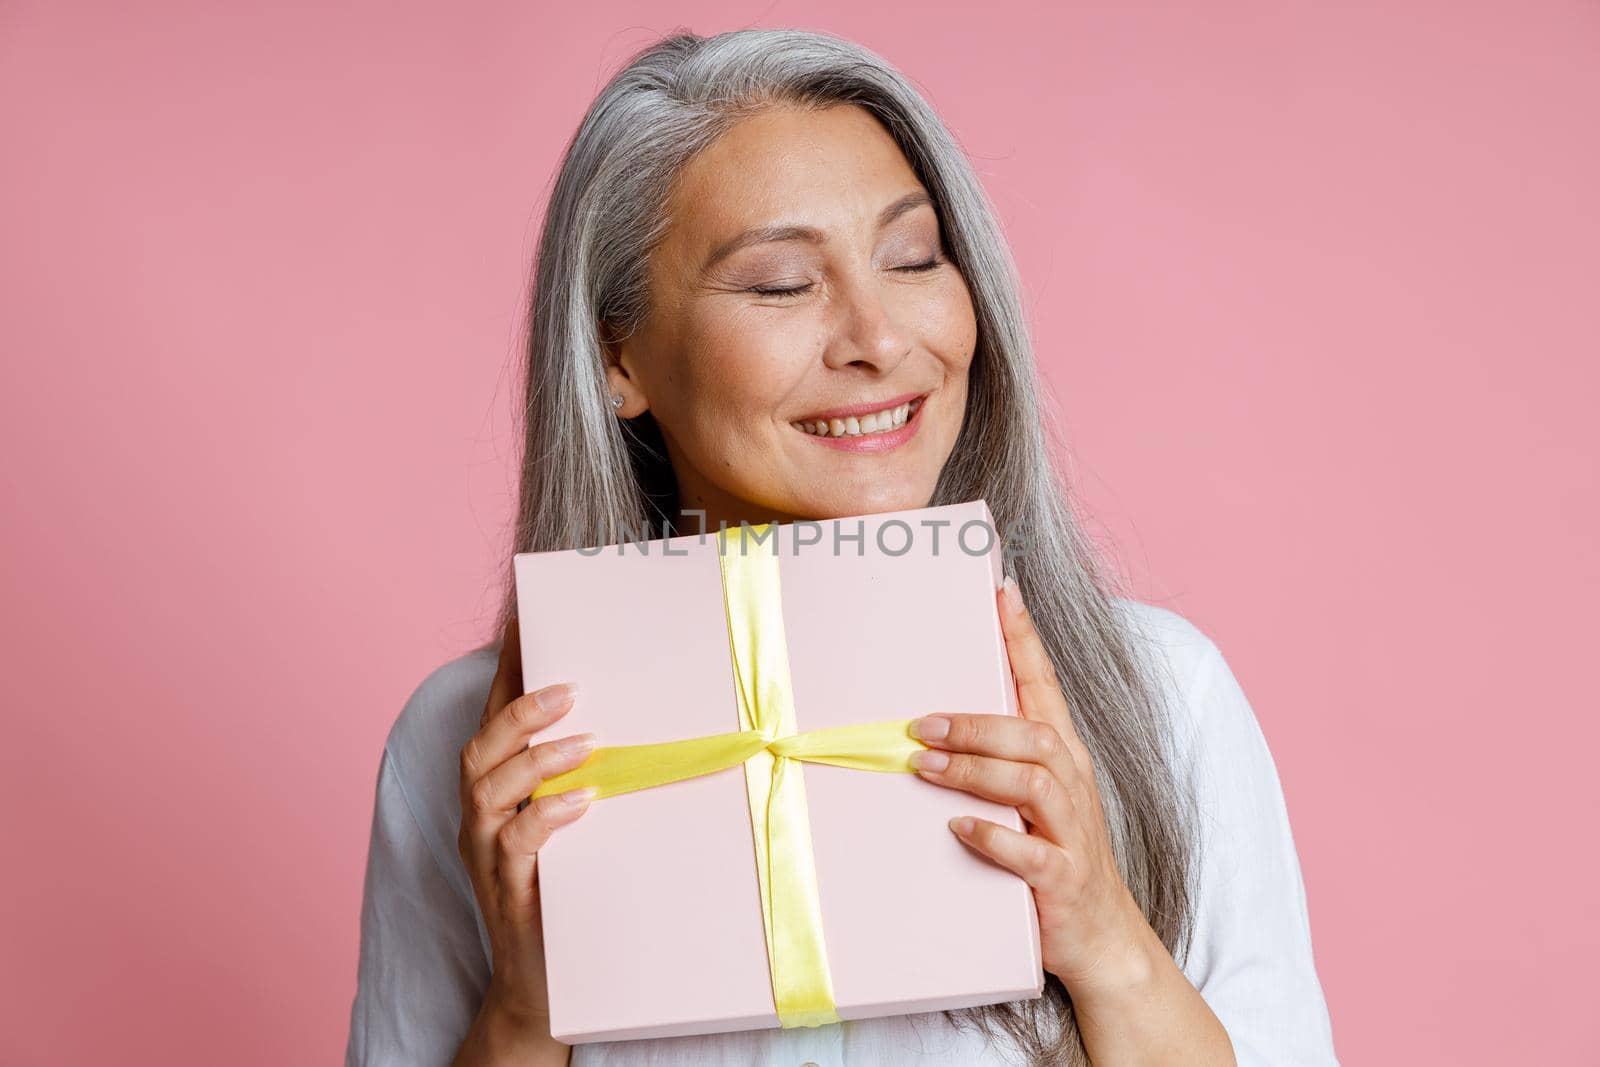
(616, 400)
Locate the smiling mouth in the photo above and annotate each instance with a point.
(884, 421)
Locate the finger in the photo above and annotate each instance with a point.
(508, 731)
(514, 781)
(493, 800)
(1038, 690)
(1028, 787)
(517, 846)
(1002, 736)
(504, 737)
(1041, 864)
(507, 683)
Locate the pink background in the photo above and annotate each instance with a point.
(1314, 284)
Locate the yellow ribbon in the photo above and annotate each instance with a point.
(768, 743)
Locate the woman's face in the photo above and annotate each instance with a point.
(803, 280)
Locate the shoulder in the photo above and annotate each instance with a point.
(424, 743)
(1180, 654)
(1209, 721)
(447, 702)
(1218, 746)
(1162, 626)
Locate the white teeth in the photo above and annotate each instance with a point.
(860, 426)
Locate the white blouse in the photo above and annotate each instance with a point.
(425, 957)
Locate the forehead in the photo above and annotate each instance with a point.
(834, 169)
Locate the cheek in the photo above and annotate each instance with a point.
(951, 328)
(951, 334)
(738, 373)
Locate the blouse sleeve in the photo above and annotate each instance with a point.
(421, 973)
(1251, 958)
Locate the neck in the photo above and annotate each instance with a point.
(701, 514)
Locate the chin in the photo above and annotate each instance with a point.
(838, 505)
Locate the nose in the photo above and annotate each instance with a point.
(866, 332)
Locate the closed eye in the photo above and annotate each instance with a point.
(763, 290)
(910, 268)
(917, 268)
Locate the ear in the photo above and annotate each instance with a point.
(618, 352)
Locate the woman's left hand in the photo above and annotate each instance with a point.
(1092, 933)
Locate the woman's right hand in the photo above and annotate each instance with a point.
(500, 846)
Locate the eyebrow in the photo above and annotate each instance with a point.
(764, 234)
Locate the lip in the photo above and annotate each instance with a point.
(871, 444)
(860, 409)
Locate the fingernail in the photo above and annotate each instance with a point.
(1013, 595)
(553, 697)
(573, 797)
(931, 727)
(930, 759)
(571, 746)
(961, 824)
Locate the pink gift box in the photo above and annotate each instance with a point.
(652, 918)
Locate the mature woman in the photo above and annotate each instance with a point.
(755, 240)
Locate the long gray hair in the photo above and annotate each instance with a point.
(589, 478)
